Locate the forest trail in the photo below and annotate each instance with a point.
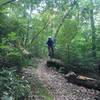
(58, 86)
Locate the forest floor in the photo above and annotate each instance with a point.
(58, 86)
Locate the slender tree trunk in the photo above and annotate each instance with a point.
(68, 53)
(28, 25)
(66, 14)
(93, 30)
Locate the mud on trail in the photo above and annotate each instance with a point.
(58, 86)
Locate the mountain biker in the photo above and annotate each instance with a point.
(50, 43)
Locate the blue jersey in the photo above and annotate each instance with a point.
(50, 42)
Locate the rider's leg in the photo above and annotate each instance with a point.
(52, 49)
(48, 50)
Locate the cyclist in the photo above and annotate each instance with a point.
(50, 43)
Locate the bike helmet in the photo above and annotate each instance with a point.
(50, 37)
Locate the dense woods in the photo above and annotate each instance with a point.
(25, 26)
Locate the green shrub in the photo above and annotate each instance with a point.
(13, 84)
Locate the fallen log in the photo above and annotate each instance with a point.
(83, 81)
(74, 78)
(54, 63)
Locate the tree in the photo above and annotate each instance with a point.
(93, 29)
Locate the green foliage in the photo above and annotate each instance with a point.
(26, 24)
(13, 85)
(12, 36)
(69, 30)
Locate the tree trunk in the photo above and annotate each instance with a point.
(93, 30)
(68, 54)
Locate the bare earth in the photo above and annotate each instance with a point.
(58, 86)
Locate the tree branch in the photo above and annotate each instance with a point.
(10, 1)
(67, 12)
(46, 24)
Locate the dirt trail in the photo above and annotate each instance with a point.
(58, 86)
